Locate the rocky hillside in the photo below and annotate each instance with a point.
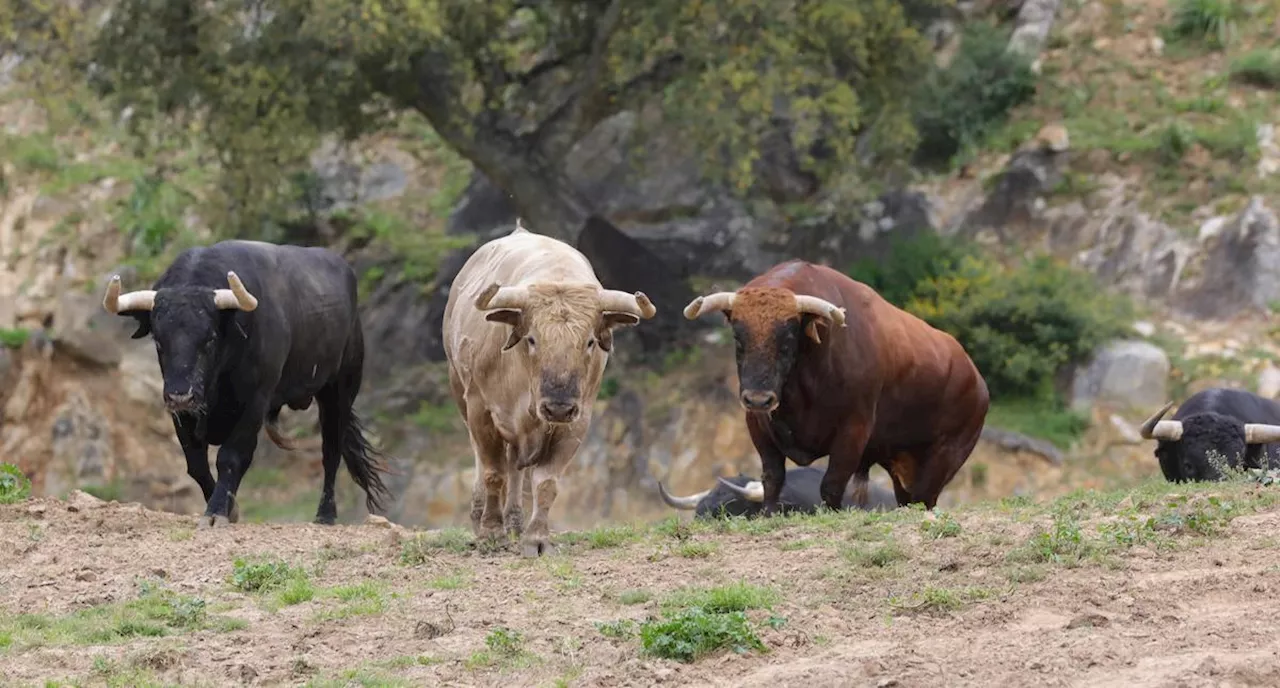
(1145, 158)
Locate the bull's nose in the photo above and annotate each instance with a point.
(559, 411)
(754, 400)
(178, 400)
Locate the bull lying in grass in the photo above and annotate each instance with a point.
(743, 496)
(1214, 431)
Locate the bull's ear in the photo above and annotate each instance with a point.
(608, 321)
(510, 317)
(144, 322)
(811, 323)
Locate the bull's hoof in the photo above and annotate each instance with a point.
(325, 520)
(234, 515)
(513, 523)
(536, 548)
(216, 521)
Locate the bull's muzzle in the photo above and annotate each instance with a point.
(759, 401)
(553, 411)
(179, 401)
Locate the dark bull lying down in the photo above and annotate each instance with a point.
(743, 496)
(1214, 430)
(284, 330)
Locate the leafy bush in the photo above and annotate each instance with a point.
(909, 262)
(14, 486)
(264, 576)
(1020, 325)
(957, 106)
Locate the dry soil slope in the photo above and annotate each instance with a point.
(1152, 587)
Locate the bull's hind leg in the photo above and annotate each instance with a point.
(939, 464)
(333, 423)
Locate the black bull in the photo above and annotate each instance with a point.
(1213, 431)
(241, 330)
(743, 496)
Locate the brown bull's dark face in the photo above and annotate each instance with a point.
(766, 333)
(187, 329)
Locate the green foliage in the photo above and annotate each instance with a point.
(14, 486)
(1258, 68)
(958, 106)
(151, 216)
(264, 575)
(1212, 22)
(945, 526)
(13, 338)
(693, 633)
(739, 596)
(1048, 418)
(910, 261)
(727, 70)
(1020, 325)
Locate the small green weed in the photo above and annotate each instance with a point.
(945, 526)
(693, 633)
(424, 547)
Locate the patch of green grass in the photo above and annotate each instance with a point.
(1047, 419)
(112, 491)
(504, 648)
(32, 154)
(264, 575)
(296, 591)
(1259, 68)
(877, 556)
(359, 599)
(733, 597)
(1212, 22)
(156, 612)
(561, 568)
(696, 550)
(944, 526)
(691, 634)
(611, 536)
(453, 581)
(937, 600)
(634, 596)
(14, 486)
(424, 547)
(620, 629)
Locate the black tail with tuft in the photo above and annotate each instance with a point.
(362, 463)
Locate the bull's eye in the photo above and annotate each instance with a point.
(531, 342)
(591, 344)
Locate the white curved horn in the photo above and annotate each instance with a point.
(635, 303)
(817, 306)
(1261, 433)
(495, 297)
(1155, 429)
(686, 503)
(753, 491)
(114, 302)
(711, 303)
(235, 298)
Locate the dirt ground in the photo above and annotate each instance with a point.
(1157, 586)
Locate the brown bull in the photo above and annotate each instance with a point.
(827, 367)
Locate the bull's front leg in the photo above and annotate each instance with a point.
(773, 464)
(491, 473)
(545, 476)
(196, 451)
(234, 458)
(846, 461)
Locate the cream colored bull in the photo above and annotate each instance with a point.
(527, 333)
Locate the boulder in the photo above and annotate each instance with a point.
(82, 329)
(1126, 374)
(1241, 268)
